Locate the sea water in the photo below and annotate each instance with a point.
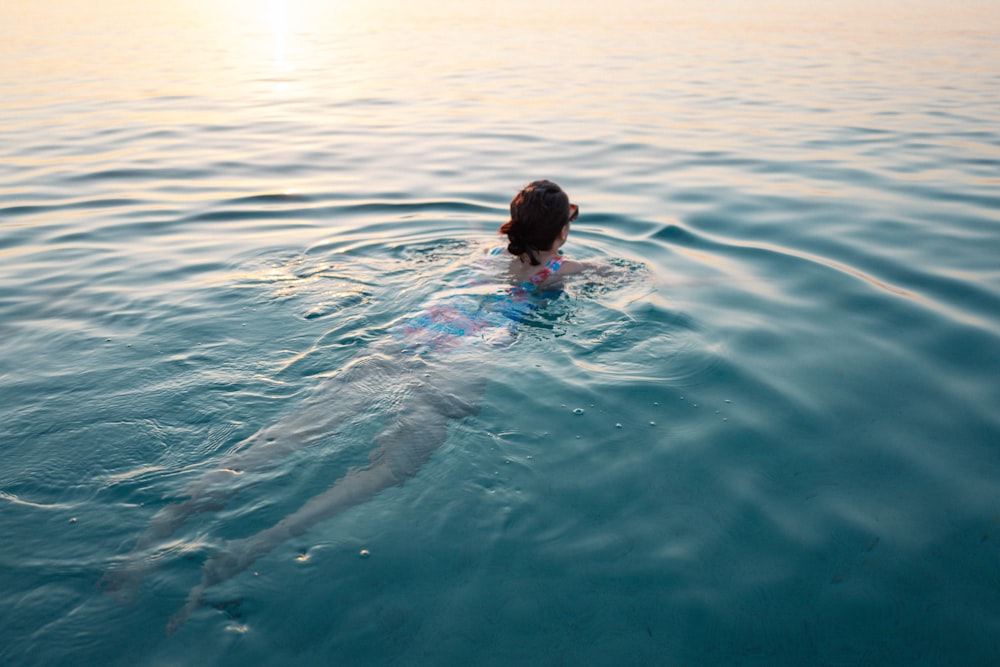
(775, 441)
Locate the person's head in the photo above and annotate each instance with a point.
(539, 220)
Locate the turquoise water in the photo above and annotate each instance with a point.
(776, 442)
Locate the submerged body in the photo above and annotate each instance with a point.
(421, 361)
(433, 394)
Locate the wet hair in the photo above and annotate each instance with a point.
(538, 214)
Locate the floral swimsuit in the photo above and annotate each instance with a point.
(468, 319)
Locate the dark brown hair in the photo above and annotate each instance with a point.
(538, 214)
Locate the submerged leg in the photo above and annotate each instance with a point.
(350, 392)
(210, 493)
(404, 447)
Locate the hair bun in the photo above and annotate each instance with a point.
(517, 247)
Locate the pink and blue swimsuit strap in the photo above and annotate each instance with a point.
(547, 271)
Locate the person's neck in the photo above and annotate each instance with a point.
(543, 256)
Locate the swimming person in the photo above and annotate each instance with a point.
(418, 373)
